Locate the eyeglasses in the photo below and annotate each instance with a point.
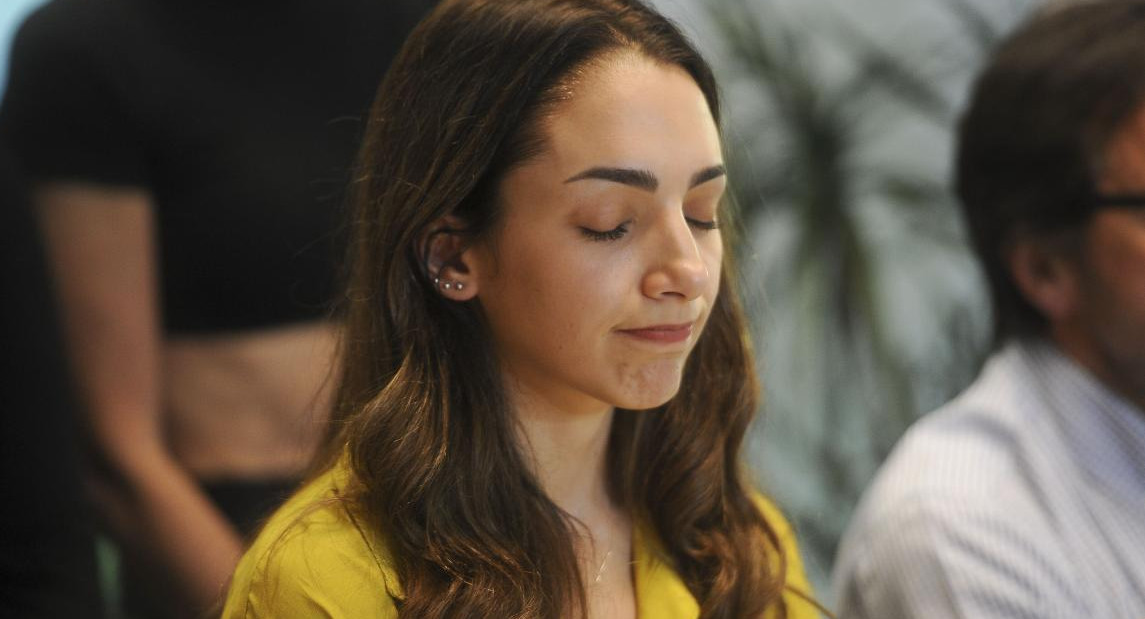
(1118, 200)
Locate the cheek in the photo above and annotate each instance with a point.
(586, 294)
(557, 290)
(1120, 259)
(713, 251)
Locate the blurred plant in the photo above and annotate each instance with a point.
(873, 312)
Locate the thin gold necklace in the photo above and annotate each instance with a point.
(600, 571)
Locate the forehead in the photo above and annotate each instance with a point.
(629, 110)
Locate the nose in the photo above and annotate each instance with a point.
(676, 265)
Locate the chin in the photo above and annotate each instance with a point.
(644, 385)
(650, 397)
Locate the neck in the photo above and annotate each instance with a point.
(567, 445)
(569, 456)
(568, 451)
(1120, 378)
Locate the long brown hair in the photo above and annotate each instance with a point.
(421, 411)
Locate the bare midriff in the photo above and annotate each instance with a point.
(251, 405)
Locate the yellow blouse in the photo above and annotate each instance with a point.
(310, 560)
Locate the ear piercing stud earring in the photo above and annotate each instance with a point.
(448, 285)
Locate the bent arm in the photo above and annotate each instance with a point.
(100, 244)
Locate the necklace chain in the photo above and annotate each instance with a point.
(603, 563)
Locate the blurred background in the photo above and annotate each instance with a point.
(867, 307)
(12, 13)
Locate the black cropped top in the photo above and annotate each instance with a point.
(241, 117)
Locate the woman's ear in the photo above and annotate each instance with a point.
(1046, 273)
(448, 259)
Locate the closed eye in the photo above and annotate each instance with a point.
(618, 232)
(614, 234)
(703, 225)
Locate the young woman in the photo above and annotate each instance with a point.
(546, 374)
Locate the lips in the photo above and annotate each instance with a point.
(661, 333)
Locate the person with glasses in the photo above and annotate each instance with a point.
(1025, 496)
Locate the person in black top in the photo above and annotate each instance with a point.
(187, 160)
(47, 542)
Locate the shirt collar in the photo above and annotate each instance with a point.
(1105, 431)
(660, 594)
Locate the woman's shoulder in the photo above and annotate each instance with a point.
(798, 587)
(314, 558)
(783, 530)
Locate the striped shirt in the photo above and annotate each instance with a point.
(1022, 498)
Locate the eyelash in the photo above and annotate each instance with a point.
(706, 226)
(618, 232)
(614, 234)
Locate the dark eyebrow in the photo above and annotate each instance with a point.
(707, 174)
(643, 179)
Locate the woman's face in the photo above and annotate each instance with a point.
(606, 263)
